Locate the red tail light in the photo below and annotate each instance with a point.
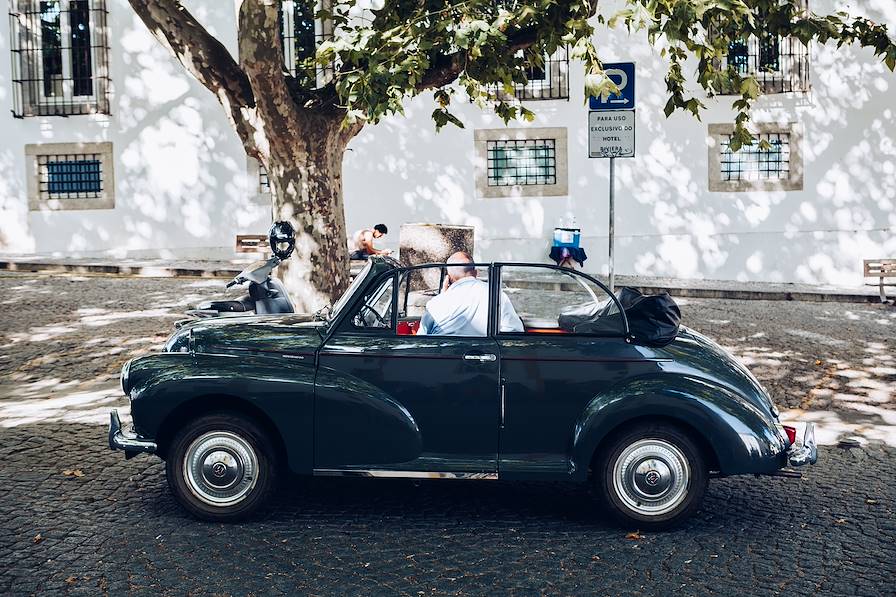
(791, 433)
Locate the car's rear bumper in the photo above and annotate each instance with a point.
(131, 443)
(803, 451)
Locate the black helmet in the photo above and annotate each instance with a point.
(283, 239)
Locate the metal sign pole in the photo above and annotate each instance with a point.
(611, 134)
(612, 220)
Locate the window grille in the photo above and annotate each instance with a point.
(750, 163)
(264, 183)
(521, 162)
(301, 33)
(59, 57)
(544, 82)
(78, 176)
(779, 64)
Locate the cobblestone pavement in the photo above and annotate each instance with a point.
(110, 526)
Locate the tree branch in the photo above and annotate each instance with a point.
(203, 56)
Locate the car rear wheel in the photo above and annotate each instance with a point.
(653, 476)
(221, 467)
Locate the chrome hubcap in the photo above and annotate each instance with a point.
(220, 468)
(651, 477)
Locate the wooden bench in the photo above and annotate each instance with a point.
(881, 269)
(252, 243)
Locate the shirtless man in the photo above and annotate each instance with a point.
(363, 242)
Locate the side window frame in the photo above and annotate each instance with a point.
(347, 325)
(498, 288)
(488, 267)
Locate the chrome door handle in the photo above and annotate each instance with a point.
(482, 358)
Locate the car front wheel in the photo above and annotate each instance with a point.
(221, 467)
(653, 476)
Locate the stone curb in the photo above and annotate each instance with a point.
(681, 291)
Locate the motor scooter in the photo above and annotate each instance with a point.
(266, 295)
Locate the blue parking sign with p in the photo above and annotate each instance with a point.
(623, 75)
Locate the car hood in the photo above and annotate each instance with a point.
(294, 333)
(703, 357)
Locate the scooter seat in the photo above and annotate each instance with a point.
(227, 306)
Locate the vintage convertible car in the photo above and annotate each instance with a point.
(233, 402)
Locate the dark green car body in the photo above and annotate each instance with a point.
(339, 400)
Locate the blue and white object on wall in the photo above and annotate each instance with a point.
(623, 75)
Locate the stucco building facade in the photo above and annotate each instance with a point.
(109, 147)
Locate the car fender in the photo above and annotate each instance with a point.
(281, 390)
(742, 438)
(374, 428)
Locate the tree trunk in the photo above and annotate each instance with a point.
(305, 170)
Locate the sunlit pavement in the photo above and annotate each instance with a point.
(77, 518)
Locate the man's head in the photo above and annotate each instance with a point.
(460, 271)
(380, 230)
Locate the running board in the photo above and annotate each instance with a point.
(327, 472)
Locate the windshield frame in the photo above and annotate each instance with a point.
(340, 305)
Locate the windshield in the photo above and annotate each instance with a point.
(356, 283)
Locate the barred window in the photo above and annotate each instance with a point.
(301, 32)
(70, 176)
(779, 64)
(753, 163)
(522, 162)
(546, 81)
(59, 57)
(754, 167)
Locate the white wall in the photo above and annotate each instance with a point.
(668, 223)
(180, 173)
(181, 184)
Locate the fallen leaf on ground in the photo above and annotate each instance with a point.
(818, 362)
(71, 580)
(38, 538)
(73, 472)
(635, 536)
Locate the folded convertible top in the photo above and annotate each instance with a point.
(653, 320)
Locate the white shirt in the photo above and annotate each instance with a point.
(462, 310)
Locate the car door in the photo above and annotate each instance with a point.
(549, 375)
(390, 403)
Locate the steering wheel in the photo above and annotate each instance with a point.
(374, 312)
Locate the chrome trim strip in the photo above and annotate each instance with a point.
(127, 441)
(328, 472)
(482, 358)
(503, 401)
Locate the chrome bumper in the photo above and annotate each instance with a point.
(803, 451)
(131, 443)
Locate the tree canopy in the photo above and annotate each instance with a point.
(390, 50)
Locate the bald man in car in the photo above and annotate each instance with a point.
(462, 307)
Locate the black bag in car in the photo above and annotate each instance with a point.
(653, 320)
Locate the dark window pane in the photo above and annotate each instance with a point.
(74, 176)
(51, 47)
(769, 53)
(82, 67)
(739, 57)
